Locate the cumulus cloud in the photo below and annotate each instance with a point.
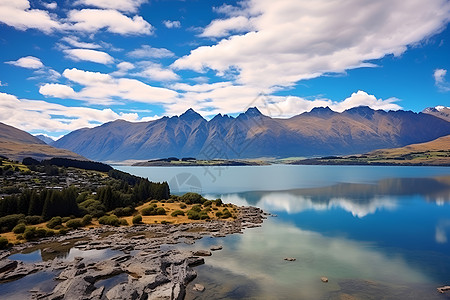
(104, 89)
(92, 20)
(51, 5)
(122, 5)
(57, 90)
(157, 72)
(279, 43)
(75, 42)
(19, 15)
(28, 62)
(89, 55)
(146, 51)
(35, 115)
(172, 24)
(439, 79)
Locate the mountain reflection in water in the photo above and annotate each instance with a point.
(358, 199)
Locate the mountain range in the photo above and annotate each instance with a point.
(16, 144)
(252, 134)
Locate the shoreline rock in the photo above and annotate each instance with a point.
(152, 273)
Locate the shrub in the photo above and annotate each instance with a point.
(55, 221)
(112, 220)
(123, 222)
(226, 214)
(193, 215)
(218, 202)
(3, 243)
(204, 216)
(33, 220)
(49, 233)
(137, 219)
(29, 233)
(160, 211)
(177, 213)
(19, 228)
(196, 208)
(7, 223)
(63, 231)
(219, 214)
(154, 201)
(149, 211)
(123, 211)
(40, 232)
(207, 203)
(183, 206)
(75, 223)
(192, 198)
(65, 219)
(87, 219)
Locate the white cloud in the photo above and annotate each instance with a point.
(221, 28)
(439, 79)
(123, 68)
(75, 42)
(103, 89)
(156, 72)
(19, 15)
(35, 115)
(57, 90)
(28, 62)
(92, 20)
(122, 5)
(146, 51)
(89, 55)
(51, 5)
(293, 40)
(172, 24)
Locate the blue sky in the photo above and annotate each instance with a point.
(72, 64)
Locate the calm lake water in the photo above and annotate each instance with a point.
(374, 232)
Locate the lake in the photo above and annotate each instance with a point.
(374, 232)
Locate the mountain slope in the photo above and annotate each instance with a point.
(439, 111)
(252, 134)
(16, 144)
(45, 139)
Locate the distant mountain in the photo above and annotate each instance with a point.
(16, 144)
(45, 139)
(252, 134)
(442, 112)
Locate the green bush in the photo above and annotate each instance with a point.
(219, 214)
(149, 211)
(65, 219)
(192, 198)
(183, 206)
(29, 233)
(75, 223)
(40, 232)
(177, 213)
(123, 222)
(7, 223)
(55, 221)
(33, 220)
(3, 243)
(207, 203)
(193, 215)
(226, 214)
(137, 219)
(87, 219)
(160, 211)
(218, 202)
(123, 211)
(63, 231)
(196, 208)
(19, 228)
(112, 220)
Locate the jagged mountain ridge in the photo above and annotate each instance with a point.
(252, 134)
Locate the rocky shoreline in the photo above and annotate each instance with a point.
(153, 272)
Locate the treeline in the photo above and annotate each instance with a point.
(121, 192)
(67, 162)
